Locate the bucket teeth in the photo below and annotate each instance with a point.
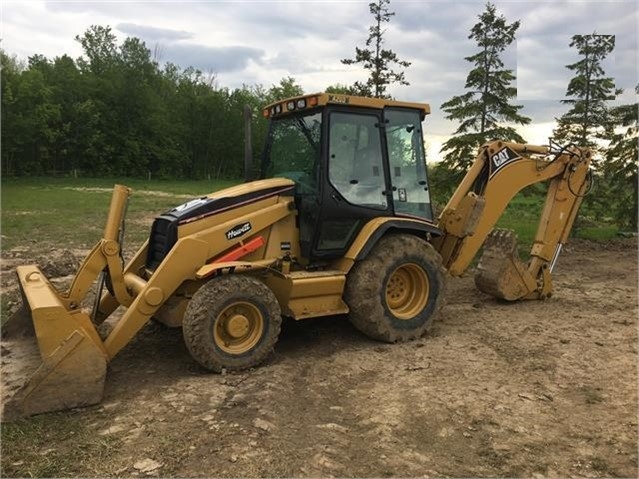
(499, 272)
(501, 241)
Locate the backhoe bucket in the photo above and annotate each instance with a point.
(500, 272)
(52, 359)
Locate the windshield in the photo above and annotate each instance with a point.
(293, 148)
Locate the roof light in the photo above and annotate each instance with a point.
(265, 113)
(312, 101)
(290, 106)
(278, 108)
(301, 103)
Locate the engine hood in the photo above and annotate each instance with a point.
(164, 230)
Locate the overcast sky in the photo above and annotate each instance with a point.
(250, 42)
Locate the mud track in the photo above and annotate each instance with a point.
(530, 389)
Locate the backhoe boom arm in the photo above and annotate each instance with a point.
(499, 172)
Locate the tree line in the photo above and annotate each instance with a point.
(116, 112)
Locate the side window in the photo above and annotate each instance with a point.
(407, 163)
(355, 158)
(294, 149)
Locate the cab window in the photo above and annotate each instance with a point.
(407, 164)
(355, 160)
(293, 150)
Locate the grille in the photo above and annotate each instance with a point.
(163, 237)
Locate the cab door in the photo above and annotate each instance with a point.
(407, 163)
(355, 178)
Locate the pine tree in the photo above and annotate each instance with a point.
(621, 164)
(587, 93)
(376, 59)
(484, 110)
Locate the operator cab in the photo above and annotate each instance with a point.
(352, 159)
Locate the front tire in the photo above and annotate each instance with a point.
(395, 292)
(232, 323)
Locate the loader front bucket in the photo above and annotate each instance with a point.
(52, 358)
(500, 272)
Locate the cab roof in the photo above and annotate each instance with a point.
(303, 102)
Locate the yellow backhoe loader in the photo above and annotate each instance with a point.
(340, 223)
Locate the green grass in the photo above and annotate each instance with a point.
(603, 232)
(55, 445)
(522, 216)
(51, 212)
(194, 187)
(524, 211)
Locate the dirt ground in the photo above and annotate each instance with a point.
(530, 389)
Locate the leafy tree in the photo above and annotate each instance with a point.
(99, 46)
(587, 93)
(286, 88)
(67, 91)
(621, 165)
(11, 73)
(98, 110)
(375, 58)
(139, 109)
(341, 89)
(36, 115)
(484, 110)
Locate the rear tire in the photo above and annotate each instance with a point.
(232, 323)
(395, 292)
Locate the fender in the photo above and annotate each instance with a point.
(375, 229)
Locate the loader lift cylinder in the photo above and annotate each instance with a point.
(248, 144)
(116, 212)
(113, 230)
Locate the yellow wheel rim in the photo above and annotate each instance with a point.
(407, 291)
(238, 328)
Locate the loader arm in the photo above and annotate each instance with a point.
(499, 172)
(70, 369)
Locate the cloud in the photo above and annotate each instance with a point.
(451, 19)
(292, 21)
(543, 76)
(168, 46)
(152, 33)
(209, 59)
